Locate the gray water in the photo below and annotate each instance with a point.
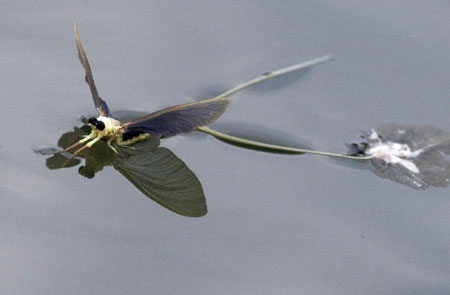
(276, 224)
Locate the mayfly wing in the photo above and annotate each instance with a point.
(177, 119)
(164, 178)
(100, 104)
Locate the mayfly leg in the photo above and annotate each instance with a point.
(88, 145)
(110, 145)
(277, 73)
(87, 138)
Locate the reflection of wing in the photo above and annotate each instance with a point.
(164, 178)
(178, 119)
(100, 104)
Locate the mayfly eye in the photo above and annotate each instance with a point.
(93, 121)
(100, 125)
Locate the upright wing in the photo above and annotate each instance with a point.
(177, 119)
(100, 104)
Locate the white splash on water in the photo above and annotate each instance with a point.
(392, 152)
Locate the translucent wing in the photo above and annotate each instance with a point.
(177, 119)
(100, 104)
(164, 178)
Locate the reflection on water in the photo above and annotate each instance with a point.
(156, 172)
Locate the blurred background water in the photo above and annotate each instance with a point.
(276, 223)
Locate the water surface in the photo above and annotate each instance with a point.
(276, 224)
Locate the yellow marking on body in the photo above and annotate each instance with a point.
(140, 137)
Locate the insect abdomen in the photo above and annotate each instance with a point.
(131, 137)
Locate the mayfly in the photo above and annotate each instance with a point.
(166, 122)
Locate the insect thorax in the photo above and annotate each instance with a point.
(111, 129)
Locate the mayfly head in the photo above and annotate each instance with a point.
(100, 125)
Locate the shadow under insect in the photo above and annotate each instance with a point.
(97, 157)
(155, 171)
